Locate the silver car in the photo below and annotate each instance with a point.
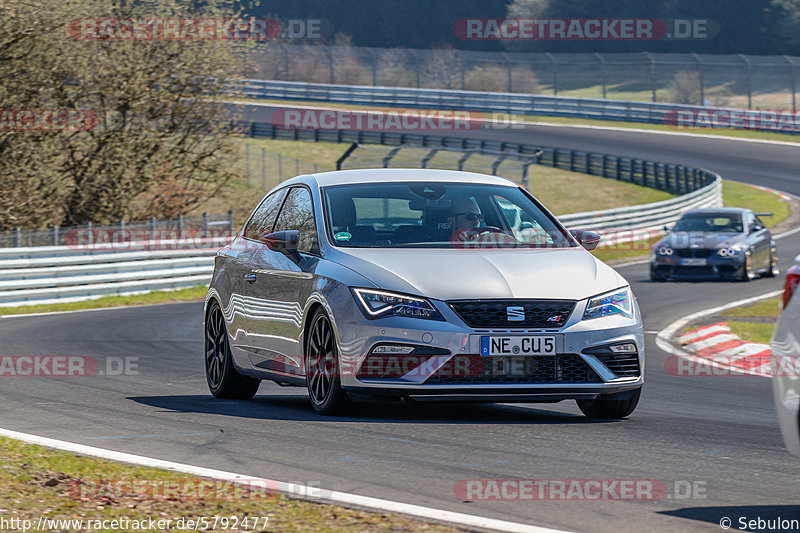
(420, 285)
(785, 348)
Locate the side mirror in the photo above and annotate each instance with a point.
(666, 228)
(588, 239)
(285, 242)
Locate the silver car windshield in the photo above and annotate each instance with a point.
(438, 215)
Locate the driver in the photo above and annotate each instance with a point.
(463, 217)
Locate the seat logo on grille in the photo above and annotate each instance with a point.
(515, 313)
(554, 318)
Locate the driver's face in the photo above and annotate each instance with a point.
(465, 216)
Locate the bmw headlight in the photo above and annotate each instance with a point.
(616, 302)
(382, 304)
(729, 252)
(665, 250)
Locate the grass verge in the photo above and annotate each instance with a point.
(735, 194)
(754, 323)
(39, 482)
(156, 297)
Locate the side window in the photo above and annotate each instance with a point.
(264, 218)
(757, 222)
(298, 213)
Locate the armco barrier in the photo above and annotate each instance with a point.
(511, 103)
(49, 274)
(56, 274)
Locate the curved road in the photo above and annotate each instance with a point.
(718, 434)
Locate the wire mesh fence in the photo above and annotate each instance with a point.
(122, 231)
(265, 169)
(703, 79)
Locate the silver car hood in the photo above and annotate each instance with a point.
(446, 274)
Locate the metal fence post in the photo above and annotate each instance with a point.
(602, 72)
(247, 161)
(180, 223)
(702, 81)
(17, 237)
(555, 72)
(749, 81)
(508, 70)
(55, 234)
(153, 228)
(263, 167)
(205, 221)
(794, 82)
(230, 219)
(651, 74)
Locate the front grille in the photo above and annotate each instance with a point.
(621, 364)
(495, 314)
(561, 369)
(693, 252)
(693, 271)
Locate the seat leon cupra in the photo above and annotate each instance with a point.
(422, 286)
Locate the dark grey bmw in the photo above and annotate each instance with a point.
(722, 243)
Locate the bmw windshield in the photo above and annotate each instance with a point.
(713, 223)
(438, 215)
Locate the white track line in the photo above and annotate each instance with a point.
(290, 489)
(664, 337)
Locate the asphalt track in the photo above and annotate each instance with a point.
(718, 433)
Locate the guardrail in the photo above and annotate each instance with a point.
(522, 104)
(49, 274)
(58, 274)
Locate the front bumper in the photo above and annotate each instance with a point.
(442, 347)
(715, 267)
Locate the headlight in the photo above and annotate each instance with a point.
(382, 304)
(665, 250)
(617, 302)
(728, 252)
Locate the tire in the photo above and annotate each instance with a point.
(747, 269)
(323, 378)
(224, 381)
(600, 408)
(656, 277)
(773, 269)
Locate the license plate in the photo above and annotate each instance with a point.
(694, 261)
(518, 345)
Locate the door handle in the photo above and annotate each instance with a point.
(250, 277)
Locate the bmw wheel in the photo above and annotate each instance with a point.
(223, 379)
(747, 270)
(773, 269)
(322, 367)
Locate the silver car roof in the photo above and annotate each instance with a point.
(384, 175)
